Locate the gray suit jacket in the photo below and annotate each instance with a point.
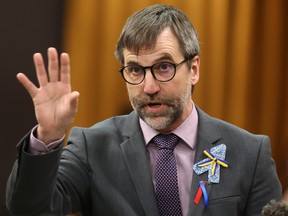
(104, 170)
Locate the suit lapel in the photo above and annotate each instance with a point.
(207, 136)
(134, 151)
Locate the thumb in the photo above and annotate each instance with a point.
(27, 84)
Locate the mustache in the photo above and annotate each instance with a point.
(144, 100)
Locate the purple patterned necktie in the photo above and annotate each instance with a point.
(167, 192)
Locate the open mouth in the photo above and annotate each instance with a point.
(154, 105)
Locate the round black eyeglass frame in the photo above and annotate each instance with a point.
(175, 65)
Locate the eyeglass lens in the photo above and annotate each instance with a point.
(162, 71)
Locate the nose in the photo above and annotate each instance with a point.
(150, 83)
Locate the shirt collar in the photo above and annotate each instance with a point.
(187, 131)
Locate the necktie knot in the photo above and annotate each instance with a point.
(166, 141)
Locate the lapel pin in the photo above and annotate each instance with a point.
(201, 191)
(215, 159)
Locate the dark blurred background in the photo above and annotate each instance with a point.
(244, 64)
(26, 27)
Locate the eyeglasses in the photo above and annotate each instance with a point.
(162, 71)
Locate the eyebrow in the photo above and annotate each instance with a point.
(164, 57)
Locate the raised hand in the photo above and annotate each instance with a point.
(55, 105)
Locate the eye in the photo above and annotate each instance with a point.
(134, 69)
(163, 67)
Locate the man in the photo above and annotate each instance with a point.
(119, 166)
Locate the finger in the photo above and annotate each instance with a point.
(65, 68)
(74, 102)
(40, 69)
(53, 67)
(28, 85)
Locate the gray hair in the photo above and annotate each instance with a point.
(275, 208)
(143, 28)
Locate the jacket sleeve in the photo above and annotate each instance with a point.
(266, 185)
(44, 184)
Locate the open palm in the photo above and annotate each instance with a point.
(55, 105)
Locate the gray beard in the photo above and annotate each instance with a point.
(163, 120)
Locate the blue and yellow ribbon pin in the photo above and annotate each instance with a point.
(215, 159)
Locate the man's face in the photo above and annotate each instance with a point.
(163, 105)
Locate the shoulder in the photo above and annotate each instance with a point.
(230, 134)
(118, 126)
(233, 131)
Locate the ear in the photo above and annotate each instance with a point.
(195, 69)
